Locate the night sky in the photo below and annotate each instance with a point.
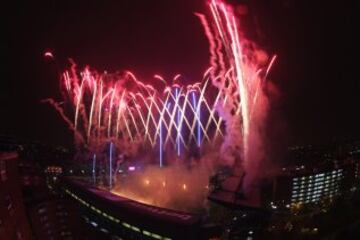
(316, 72)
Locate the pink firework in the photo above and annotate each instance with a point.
(122, 109)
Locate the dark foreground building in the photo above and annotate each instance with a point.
(13, 220)
(124, 218)
(29, 209)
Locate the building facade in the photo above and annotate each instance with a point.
(13, 219)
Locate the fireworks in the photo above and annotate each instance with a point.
(119, 111)
(105, 110)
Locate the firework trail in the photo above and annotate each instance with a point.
(239, 71)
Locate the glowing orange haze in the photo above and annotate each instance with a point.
(172, 187)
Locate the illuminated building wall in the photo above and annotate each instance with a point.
(357, 171)
(303, 187)
(316, 187)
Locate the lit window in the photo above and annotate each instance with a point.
(93, 223)
(9, 204)
(156, 236)
(3, 175)
(19, 235)
(126, 225)
(41, 210)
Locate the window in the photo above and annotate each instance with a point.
(44, 219)
(3, 175)
(59, 206)
(18, 235)
(9, 204)
(47, 225)
(42, 210)
(65, 233)
(61, 214)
